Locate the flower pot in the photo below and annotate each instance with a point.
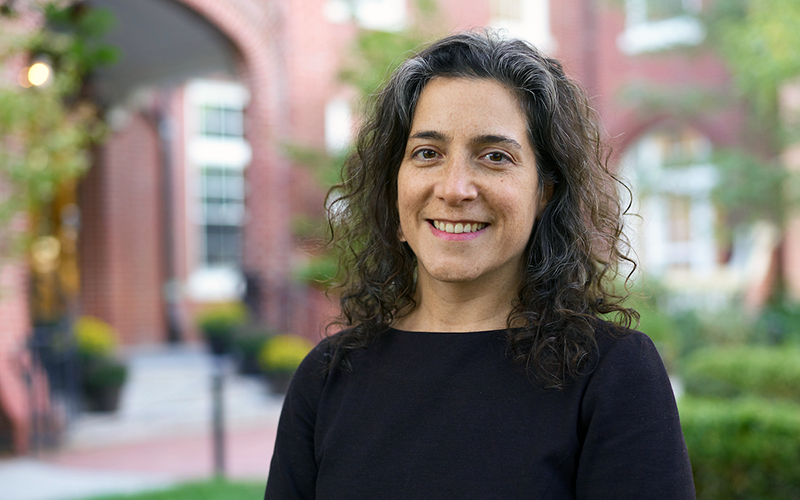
(103, 399)
(219, 345)
(248, 365)
(102, 379)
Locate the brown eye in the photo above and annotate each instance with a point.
(496, 157)
(426, 154)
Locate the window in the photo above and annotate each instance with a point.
(650, 11)
(221, 121)
(528, 19)
(680, 218)
(222, 202)
(672, 178)
(217, 156)
(652, 25)
(509, 10)
(680, 236)
(386, 15)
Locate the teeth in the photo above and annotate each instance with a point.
(458, 227)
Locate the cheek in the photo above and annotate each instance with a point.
(403, 207)
(407, 196)
(520, 198)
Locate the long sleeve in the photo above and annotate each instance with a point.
(633, 446)
(293, 470)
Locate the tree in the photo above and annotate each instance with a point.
(47, 127)
(758, 40)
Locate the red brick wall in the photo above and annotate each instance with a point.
(14, 328)
(120, 244)
(672, 70)
(289, 56)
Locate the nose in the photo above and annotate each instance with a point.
(456, 184)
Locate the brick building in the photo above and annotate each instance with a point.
(192, 198)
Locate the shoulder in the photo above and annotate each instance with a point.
(629, 423)
(325, 357)
(623, 346)
(627, 385)
(311, 375)
(317, 361)
(626, 370)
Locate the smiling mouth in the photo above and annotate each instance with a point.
(458, 227)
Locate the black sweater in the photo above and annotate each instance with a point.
(448, 416)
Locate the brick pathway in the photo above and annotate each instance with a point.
(160, 435)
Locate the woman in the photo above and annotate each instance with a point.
(482, 230)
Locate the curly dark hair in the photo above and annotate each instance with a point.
(571, 261)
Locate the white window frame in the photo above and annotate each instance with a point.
(533, 23)
(383, 15)
(212, 283)
(652, 185)
(643, 35)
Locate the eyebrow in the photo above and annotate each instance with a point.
(481, 139)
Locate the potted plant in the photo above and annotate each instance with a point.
(219, 323)
(280, 356)
(247, 345)
(102, 375)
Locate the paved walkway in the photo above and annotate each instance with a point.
(161, 434)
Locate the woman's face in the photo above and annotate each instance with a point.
(467, 186)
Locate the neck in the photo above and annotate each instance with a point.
(459, 307)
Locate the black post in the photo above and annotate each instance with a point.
(170, 292)
(218, 417)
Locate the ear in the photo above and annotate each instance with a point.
(400, 235)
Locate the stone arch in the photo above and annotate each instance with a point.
(242, 38)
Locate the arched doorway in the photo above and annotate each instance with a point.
(157, 221)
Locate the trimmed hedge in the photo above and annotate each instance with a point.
(743, 448)
(763, 371)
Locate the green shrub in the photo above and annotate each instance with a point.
(95, 337)
(766, 371)
(779, 322)
(283, 353)
(248, 341)
(319, 271)
(743, 448)
(661, 328)
(247, 345)
(97, 341)
(103, 372)
(222, 320)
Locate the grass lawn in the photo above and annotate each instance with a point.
(205, 490)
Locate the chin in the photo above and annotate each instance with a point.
(450, 276)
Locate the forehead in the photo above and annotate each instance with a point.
(469, 105)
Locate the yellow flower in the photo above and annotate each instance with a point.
(94, 336)
(284, 353)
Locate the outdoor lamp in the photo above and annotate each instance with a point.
(35, 75)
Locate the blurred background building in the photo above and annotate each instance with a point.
(198, 195)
